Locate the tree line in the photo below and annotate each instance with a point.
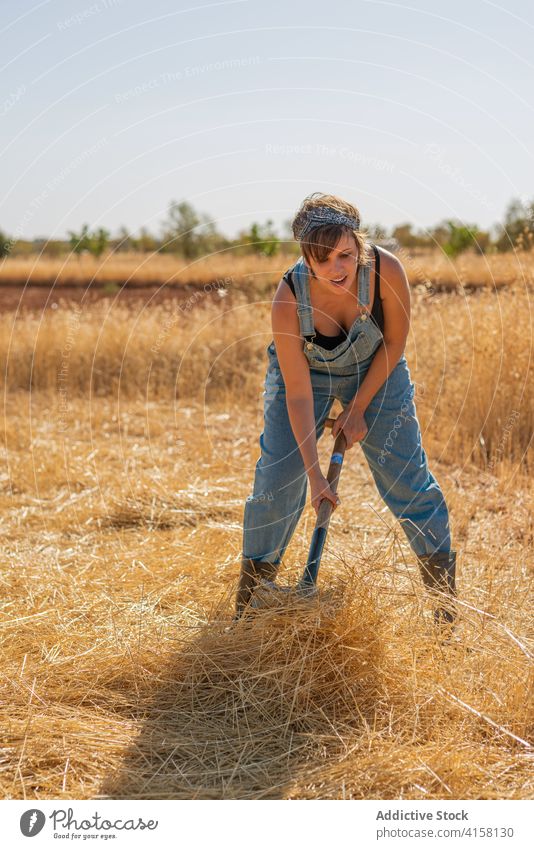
(192, 234)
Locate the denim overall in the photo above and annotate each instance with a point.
(392, 445)
(363, 338)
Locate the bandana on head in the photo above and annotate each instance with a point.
(320, 216)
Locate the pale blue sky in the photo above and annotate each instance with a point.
(414, 111)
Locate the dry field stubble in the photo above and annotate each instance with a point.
(122, 491)
(141, 270)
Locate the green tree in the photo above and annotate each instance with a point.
(181, 231)
(79, 242)
(517, 231)
(96, 242)
(460, 238)
(99, 241)
(262, 238)
(5, 245)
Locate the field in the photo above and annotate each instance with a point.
(130, 437)
(243, 272)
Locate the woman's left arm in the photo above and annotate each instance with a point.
(395, 293)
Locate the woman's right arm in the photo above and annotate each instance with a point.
(299, 394)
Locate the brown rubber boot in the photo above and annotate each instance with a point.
(252, 571)
(438, 571)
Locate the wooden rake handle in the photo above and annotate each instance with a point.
(332, 476)
(309, 578)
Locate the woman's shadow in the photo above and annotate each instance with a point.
(244, 710)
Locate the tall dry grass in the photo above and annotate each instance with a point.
(470, 357)
(431, 268)
(140, 270)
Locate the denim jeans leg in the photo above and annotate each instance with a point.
(399, 465)
(272, 512)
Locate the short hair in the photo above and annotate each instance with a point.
(320, 241)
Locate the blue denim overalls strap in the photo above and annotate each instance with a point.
(362, 340)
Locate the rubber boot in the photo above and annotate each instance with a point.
(438, 571)
(252, 571)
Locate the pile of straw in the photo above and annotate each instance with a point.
(340, 697)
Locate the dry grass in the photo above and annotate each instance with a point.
(469, 272)
(242, 272)
(121, 539)
(135, 270)
(471, 357)
(124, 475)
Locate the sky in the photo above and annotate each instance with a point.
(414, 111)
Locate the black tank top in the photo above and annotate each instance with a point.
(330, 342)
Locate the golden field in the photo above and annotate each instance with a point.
(245, 272)
(130, 436)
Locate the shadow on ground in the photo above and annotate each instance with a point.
(246, 710)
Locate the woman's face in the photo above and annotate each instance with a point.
(338, 272)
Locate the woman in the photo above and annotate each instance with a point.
(328, 343)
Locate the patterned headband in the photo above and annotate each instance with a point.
(320, 216)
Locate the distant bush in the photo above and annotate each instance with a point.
(261, 239)
(518, 228)
(95, 243)
(5, 245)
(460, 238)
